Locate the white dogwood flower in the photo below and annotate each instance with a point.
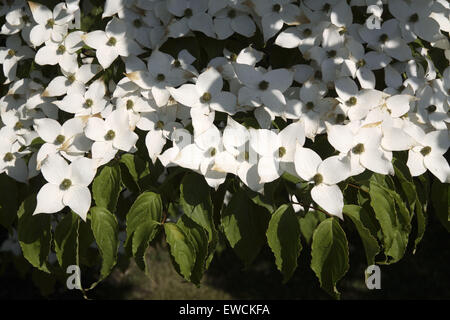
(50, 25)
(72, 81)
(110, 135)
(159, 76)
(85, 103)
(207, 91)
(325, 175)
(67, 139)
(67, 185)
(263, 88)
(193, 16)
(62, 53)
(11, 55)
(112, 42)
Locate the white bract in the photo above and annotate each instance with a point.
(240, 91)
(67, 185)
(50, 25)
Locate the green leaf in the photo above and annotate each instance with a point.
(199, 239)
(181, 249)
(143, 235)
(370, 243)
(245, 226)
(394, 223)
(8, 200)
(105, 229)
(107, 187)
(329, 253)
(195, 201)
(283, 237)
(309, 223)
(66, 233)
(147, 207)
(439, 201)
(34, 234)
(415, 205)
(136, 168)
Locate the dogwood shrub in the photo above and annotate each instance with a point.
(274, 122)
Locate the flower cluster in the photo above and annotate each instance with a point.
(239, 115)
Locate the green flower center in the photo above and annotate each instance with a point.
(60, 139)
(383, 38)
(318, 75)
(61, 49)
(206, 97)
(318, 179)
(137, 23)
(160, 77)
(188, 13)
(414, 18)
(177, 63)
(361, 63)
(340, 118)
(331, 53)
(343, 31)
(231, 14)
(112, 41)
(110, 135)
(281, 152)
(276, 8)
(233, 57)
(246, 155)
(11, 53)
(160, 124)
(89, 103)
(310, 105)
(8, 157)
(263, 85)
(71, 78)
(213, 152)
(130, 104)
(307, 32)
(65, 184)
(50, 23)
(358, 149)
(431, 108)
(18, 125)
(425, 151)
(351, 102)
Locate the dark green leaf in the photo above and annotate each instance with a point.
(107, 187)
(181, 249)
(329, 253)
(105, 229)
(370, 243)
(199, 239)
(283, 237)
(143, 235)
(34, 232)
(245, 226)
(390, 213)
(195, 201)
(147, 207)
(66, 233)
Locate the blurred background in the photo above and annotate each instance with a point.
(423, 275)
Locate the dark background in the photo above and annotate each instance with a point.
(423, 275)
